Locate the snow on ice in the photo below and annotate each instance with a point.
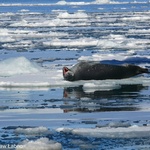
(39, 144)
(107, 132)
(32, 131)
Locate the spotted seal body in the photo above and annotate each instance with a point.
(97, 71)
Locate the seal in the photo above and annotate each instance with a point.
(98, 71)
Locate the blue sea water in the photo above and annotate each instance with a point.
(51, 34)
(88, 6)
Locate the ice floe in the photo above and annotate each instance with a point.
(39, 144)
(101, 1)
(83, 42)
(77, 25)
(110, 132)
(125, 57)
(76, 15)
(20, 72)
(32, 131)
(91, 87)
(18, 65)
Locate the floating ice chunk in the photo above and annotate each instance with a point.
(114, 41)
(63, 2)
(24, 10)
(122, 56)
(19, 65)
(4, 32)
(136, 18)
(101, 1)
(117, 37)
(32, 131)
(119, 124)
(40, 144)
(100, 86)
(115, 125)
(20, 23)
(6, 39)
(112, 132)
(146, 82)
(75, 15)
(53, 78)
(43, 23)
(72, 43)
(66, 130)
(4, 36)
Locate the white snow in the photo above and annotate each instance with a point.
(18, 65)
(39, 144)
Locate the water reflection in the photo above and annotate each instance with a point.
(126, 98)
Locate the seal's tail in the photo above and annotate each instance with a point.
(145, 70)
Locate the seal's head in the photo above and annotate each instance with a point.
(68, 74)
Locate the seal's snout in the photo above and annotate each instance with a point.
(68, 74)
(65, 70)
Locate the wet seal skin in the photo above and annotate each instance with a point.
(98, 71)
